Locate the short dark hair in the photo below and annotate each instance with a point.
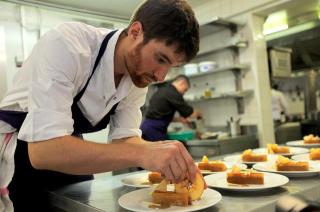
(172, 21)
(182, 77)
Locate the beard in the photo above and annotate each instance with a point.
(133, 63)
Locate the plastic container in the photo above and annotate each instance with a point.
(182, 135)
(207, 92)
(190, 69)
(207, 66)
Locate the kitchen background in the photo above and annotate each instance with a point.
(237, 35)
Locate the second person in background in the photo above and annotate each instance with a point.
(162, 107)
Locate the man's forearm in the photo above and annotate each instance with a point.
(72, 155)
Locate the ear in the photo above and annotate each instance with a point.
(135, 30)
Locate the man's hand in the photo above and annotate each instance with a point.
(170, 158)
(183, 120)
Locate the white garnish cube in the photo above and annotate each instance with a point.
(170, 187)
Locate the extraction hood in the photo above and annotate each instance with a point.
(304, 40)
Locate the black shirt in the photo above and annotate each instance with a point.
(165, 102)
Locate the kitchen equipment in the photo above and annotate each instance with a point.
(280, 59)
(234, 126)
(182, 135)
(207, 92)
(190, 69)
(207, 66)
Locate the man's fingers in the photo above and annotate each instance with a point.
(176, 170)
(183, 167)
(168, 174)
(191, 166)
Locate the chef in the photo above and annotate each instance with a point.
(162, 107)
(78, 79)
(279, 105)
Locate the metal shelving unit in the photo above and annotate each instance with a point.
(236, 68)
(234, 47)
(230, 95)
(217, 24)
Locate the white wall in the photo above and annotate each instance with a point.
(3, 61)
(9, 21)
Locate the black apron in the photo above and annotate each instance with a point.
(155, 130)
(28, 187)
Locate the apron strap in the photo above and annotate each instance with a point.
(100, 54)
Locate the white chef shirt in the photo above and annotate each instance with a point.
(279, 104)
(55, 72)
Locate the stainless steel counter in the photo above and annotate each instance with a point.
(103, 194)
(214, 147)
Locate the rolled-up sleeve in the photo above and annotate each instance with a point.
(127, 119)
(51, 90)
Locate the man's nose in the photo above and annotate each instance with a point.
(161, 73)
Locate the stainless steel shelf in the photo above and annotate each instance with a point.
(217, 24)
(231, 95)
(237, 67)
(230, 46)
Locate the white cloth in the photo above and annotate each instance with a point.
(8, 143)
(279, 104)
(57, 70)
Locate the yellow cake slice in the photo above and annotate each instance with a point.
(249, 156)
(236, 176)
(182, 195)
(314, 154)
(275, 149)
(204, 164)
(217, 166)
(285, 164)
(214, 166)
(311, 139)
(155, 177)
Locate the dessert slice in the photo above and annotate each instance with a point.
(170, 198)
(155, 177)
(311, 139)
(217, 166)
(237, 176)
(204, 164)
(285, 164)
(314, 154)
(249, 156)
(275, 149)
(182, 194)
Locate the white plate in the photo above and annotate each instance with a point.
(314, 169)
(271, 180)
(138, 180)
(229, 166)
(303, 157)
(139, 200)
(300, 143)
(293, 151)
(237, 159)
